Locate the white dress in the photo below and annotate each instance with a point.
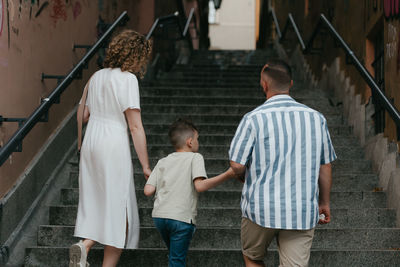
(107, 199)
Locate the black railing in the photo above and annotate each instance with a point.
(14, 144)
(174, 19)
(186, 28)
(160, 30)
(351, 58)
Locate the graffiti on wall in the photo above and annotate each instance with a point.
(55, 9)
(391, 45)
(391, 8)
(58, 11)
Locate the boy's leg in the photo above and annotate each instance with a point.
(162, 227)
(181, 234)
(294, 247)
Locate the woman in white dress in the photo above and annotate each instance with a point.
(107, 210)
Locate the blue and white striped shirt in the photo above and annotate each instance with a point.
(282, 143)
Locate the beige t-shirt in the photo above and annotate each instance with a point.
(176, 197)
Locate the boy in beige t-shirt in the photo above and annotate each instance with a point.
(176, 181)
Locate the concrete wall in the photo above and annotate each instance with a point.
(382, 152)
(358, 22)
(35, 37)
(235, 27)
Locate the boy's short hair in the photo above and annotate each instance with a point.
(180, 131)
(280, 73)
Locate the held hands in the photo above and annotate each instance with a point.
(324, 214)
(231, 174)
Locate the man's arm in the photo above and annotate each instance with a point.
(202, 184)
(325, 184)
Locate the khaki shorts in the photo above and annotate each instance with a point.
(293, 245)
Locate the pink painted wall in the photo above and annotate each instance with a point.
(38, 36)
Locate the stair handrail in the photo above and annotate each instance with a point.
(25, 127)
(175, 18)
(350, 56)
(158, 21)
(186, 28)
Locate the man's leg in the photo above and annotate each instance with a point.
(255, 241)
(294, 247)
(250, 263)
(181, 235)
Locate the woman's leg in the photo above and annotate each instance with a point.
(111, 256)
(78, 253)
(88, 245)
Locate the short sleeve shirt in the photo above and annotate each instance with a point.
(110, 93)
(176, 198)
(283, 144)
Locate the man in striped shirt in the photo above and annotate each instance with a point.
(284, 150)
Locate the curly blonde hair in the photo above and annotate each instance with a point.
(130, 51)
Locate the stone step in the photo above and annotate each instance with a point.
(216, 165)
(215, 91)
(230, 217)
(161, 148)
(321, 106)
(225, 128)
(346, 183)
(224, 198)
(58, 256)
(226, 75)
(216, 67)
(340, 135)
(213, 118)
(229, 238)
(183, 109)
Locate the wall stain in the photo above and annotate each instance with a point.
(1, 16)
(392, 42)
(8, 24)
(398, 54)
(391, 8)
(15, 30)
(76, 9)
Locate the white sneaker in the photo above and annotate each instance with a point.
(77, 255)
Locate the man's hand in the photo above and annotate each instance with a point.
(326, 211)
(239, 170)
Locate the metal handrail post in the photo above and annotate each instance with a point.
(278, 30)
(186, 29)
(291, 19)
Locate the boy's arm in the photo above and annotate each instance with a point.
(202, 185)
(149, 190)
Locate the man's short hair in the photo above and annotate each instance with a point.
(279, 73)
(180, 131)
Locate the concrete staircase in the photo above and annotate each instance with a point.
(216, 90)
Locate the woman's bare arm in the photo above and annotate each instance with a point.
(133, 116)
